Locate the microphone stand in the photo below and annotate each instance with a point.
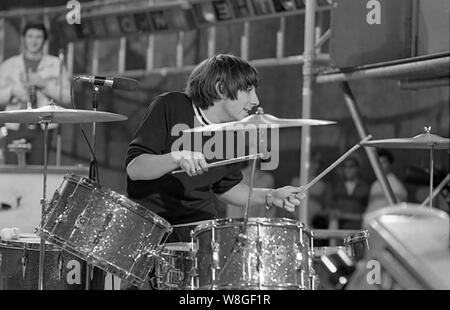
(58, 130)
(92, 171)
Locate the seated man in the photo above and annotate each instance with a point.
(30, 80)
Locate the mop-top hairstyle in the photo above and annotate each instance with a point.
(35, 25)
(231, 72)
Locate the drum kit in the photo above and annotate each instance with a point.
(87, 224)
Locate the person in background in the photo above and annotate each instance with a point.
(30, 80)
(350, 196)
(377, 199)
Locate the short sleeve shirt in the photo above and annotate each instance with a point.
(178, 198)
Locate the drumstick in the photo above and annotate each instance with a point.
(333, 165)
(437, 189)
(227, 161)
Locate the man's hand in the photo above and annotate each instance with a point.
(35, 79)
(287, 197)
(193, 163)
(19, 94)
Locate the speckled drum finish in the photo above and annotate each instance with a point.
(19, 266)
(275, 254)
(104, 228)
(174, 268)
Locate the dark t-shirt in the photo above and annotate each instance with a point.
(178, 198)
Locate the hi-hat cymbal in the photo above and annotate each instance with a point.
(422, 141)
(55, 114)
(260, 120)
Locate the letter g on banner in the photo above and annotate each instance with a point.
(74, 15)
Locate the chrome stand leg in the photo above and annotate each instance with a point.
(44, 206)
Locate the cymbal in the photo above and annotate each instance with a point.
(260, 120)
(422, 141)
(56, 114)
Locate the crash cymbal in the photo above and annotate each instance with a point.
(56, 114)
(260, 120)
(422, 141)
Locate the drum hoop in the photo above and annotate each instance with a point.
(121, 199)
(363, 235)
(226, 222)
(174, 251)
(324, 248)
(23, 245)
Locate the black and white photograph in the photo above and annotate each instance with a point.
(224, 150)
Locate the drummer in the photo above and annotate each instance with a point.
(220, 89)
(30, 80)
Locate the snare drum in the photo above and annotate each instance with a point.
(19, 266)
(104, 228)
(174, 268)
(357, 244)
(274, 255)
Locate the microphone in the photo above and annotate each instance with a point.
(113, 82)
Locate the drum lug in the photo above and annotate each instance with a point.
(215, 253)
(298, 257)
(24, 261)
(259, 251)
(61, 219)
(60, 265)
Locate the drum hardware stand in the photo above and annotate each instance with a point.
(242, 238)
(93, 175)
(44, 120)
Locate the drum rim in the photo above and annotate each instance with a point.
(251, 220)
(20, 244)
(362, 235)
(167, 250)
(124, 201)
(339, 247)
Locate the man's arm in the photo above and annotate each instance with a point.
(287, 197)
(151, 166)
(5, 89)
(52, 89)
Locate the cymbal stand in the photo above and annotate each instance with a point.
(44, 120)
(242, 238)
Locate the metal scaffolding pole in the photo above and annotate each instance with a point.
(308, 79)
(371, 154)
(432, 66)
